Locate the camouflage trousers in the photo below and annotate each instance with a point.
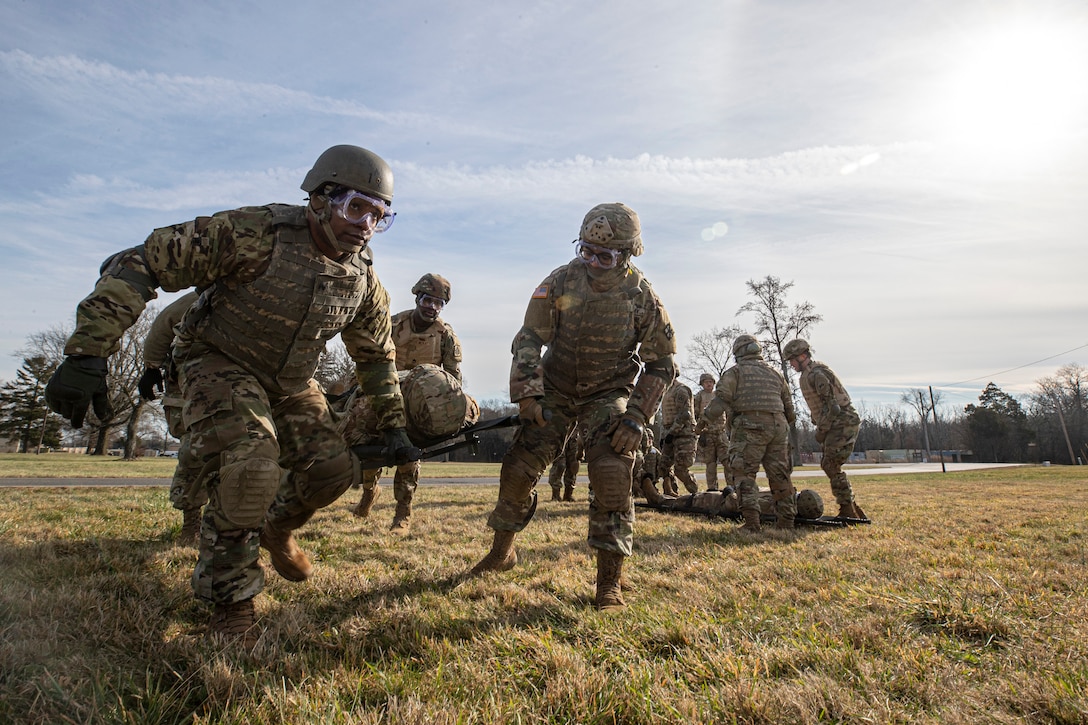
(564, 470)
(611, 508)
(677, 457)
(264, 458)
(186, 493)
(713, 450)
(838, 444)
(762, 438)
(405, 481)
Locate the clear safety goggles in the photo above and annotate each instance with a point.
(365, 211)
(605, 258)
(426, 300)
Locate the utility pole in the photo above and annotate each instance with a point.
(933, 407)
(1065, 432)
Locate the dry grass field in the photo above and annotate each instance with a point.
(965, 601)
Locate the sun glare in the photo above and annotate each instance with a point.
(1017, 90)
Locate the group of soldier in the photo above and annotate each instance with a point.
(261, 441)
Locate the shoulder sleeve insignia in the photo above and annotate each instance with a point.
(540, 292)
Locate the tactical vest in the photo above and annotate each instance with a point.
(759, 388)
(276, 326)
(596, 333)
(417, 348)
(702, 399)
(816, 406)
(673, 403)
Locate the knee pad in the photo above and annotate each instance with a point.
(610, 476)
(324, 482)
(247, 486)
(518, 474)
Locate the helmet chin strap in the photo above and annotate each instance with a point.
(322, 217)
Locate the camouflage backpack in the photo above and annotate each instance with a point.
(435, 404)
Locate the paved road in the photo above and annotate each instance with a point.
(880, 469)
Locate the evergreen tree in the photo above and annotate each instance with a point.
(24, 416)
(998, 427)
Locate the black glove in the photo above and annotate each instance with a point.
(398, 448)
(150, 381)
(78, 383)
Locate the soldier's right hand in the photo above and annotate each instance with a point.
(529, 409)
(150, 381)
(79, 383)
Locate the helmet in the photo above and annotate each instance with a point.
(794, 348)
(354, 167)
(704, 377)
(809, 504)
(746, 345)
(434, 285)
(613, 225)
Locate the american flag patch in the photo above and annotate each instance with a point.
(540, 292)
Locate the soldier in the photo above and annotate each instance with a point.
(186, 493)
(602, 325)
(278, 282)
(564, 470)
(758, 409)
(421, 337)
(837, 423)
(713, 438)
(678, 438)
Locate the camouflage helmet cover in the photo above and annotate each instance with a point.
(613, 225)
(351, 166)
(434, 285)
(746, 345)
(794, 348)
(704, 377)
(809, 504)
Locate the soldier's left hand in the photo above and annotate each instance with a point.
(626, 435)
(149, 382)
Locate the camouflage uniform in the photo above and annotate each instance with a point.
(434, 344)
(678, 438)
(246, 354)
(713, 441)
(186, 493)
(587, 374)
(564, 471)
(758, 408)
(837, 424)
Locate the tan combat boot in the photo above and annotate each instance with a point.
(366, 502)
(751, 520)
(555, 494)
(502, 556)
(568, 493)
(850, 511)
(400, 525)
(609, 573)
(190, 527)
(651, 494)
(784, 522)
(288, 560)
(235, 622)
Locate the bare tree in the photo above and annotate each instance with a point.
(711, 350)
(918, 401)
(335, 368)
(776, 321)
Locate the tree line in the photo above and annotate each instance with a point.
(1049, 424)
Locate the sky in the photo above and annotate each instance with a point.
(918, 170)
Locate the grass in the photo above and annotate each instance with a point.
(965, 601)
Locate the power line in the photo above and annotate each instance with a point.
(1018, 367)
